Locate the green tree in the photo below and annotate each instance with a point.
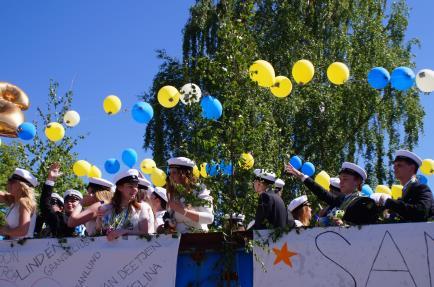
(324, 123)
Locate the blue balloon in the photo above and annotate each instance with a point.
(367, 190)
(112, 165)
(212, 169)
(422, 179)
(296, 162)
(402, 78)
(26, 131)
(142, 112)
(212, 109)
(229, 169)
(308, 168)
(378, 78)
(129, 157)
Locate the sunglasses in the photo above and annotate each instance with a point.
(55, 201)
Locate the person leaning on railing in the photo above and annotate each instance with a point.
(190, 203)
(349, 205)
(20, 197)
(417, 199)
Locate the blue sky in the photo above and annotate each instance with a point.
(108, 47)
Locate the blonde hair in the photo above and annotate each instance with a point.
(27, 199)
(189, 181)
(104, 195)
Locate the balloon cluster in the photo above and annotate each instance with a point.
(169, 96)
(13, 101)
(262, 72)
(401, 79)
(307, 168)
(84, 168)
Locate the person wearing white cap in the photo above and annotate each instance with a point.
(190, 203)
(278, 186)
(57, 220)
(334, 188)
(124, 215)
(271, 209)
(20, 197)
(159, 205)
(301, 211)
(417, 199)
(98, 192)
(144, 199)
(351, 178)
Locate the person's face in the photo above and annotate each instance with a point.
(89, 197)
(259, 186)
(175, 175)
(55, 206)
(403, 170)
(13, 188)
(307, 210)
(129, 190)
(71, 203)
(155, 201)
(348, 183)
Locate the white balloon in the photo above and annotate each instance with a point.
(190, 93)
(71, 118)
(425, 80)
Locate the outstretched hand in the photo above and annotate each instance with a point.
(54, 171)
(289, 169)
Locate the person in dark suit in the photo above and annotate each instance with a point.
(417, 199)
(271, 210)
(345, 205)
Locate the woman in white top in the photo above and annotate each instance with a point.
(124, 215)
(20, 197)
(301, 211)
(142, 197)
(190, 203)
(98, 192)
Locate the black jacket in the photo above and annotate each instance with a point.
(333, 200)
(415, 205)
(271, 209)
(57, 221)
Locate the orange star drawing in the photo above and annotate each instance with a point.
(283, 255)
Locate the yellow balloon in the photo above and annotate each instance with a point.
(196, 172)
(396, 191)
(168, 96)
(81, 168)
(383, 189)
(427, 167)
(303, 71)
(148, 166)
(94, 171)
(282, 87)
(246, 161)
(54, 131)
(112, 105)
(262, 72)
(323, 179)
(202, 170)
(338, 73)
(158, 177)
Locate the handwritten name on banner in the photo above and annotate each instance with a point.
(82, 262)
(376, 255)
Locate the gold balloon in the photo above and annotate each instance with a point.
(81, 168)
(158, 177)
(112, 105)
(15, 95)
(203, 170)
(11, 117)
(148, 166)
(303, 71)
(323, 179)
(282, 87)
(396, 191)
(168, 96)
(94, 171)
(262, 72)
(427, 167)
(54, 131)
(338, 73)
(383, 189)
(196, 172)
(246, 161)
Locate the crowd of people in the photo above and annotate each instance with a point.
(131, 206)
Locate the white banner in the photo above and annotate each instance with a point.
(376, 255)
(79, 262)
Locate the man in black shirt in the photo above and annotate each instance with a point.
(271, 209)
